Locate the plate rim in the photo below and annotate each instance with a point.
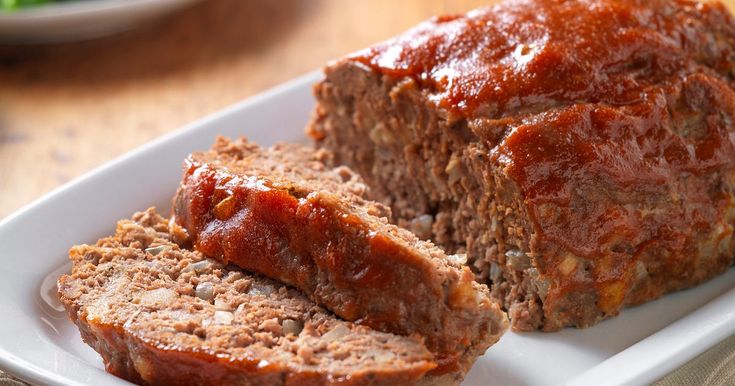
(309, 77)
(28, 371)
(32, 373)
(76, 8)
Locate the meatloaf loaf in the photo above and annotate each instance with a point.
(581, 152)
(281, 213)
(159, 313)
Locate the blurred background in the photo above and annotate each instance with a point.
(66, 108)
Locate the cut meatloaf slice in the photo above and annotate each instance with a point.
(582, 153)
(280, 212)
(159, 313)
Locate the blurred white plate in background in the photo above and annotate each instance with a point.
(80, 20)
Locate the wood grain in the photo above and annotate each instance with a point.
(65, 109)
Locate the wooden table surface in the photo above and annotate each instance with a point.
(66, 109)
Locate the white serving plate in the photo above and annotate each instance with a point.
(39, 344)
(80, 19)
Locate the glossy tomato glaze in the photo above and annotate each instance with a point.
(531, 54)
(309, 242)
(616, 122)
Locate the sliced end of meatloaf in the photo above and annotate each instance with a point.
(282, 213)
(580, 153)
(159, 313)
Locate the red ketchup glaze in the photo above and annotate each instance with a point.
(530, 54)
(616, 119)
(257, 226)
(309, 242)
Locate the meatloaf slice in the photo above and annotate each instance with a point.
(582, 153)
(281, 213)
(159, 313)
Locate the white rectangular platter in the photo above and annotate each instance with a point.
(39, 343)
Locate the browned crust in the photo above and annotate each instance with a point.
(352, 263)
(425, 161)
(135, 352)
(145, 363)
